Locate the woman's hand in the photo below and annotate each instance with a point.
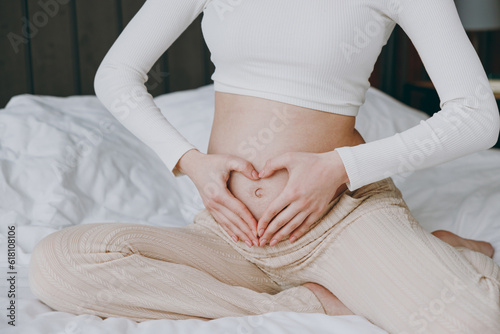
(314, 179)
(210, 173)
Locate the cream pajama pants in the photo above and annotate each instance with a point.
(368, 250)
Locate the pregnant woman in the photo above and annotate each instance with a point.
(301, 214)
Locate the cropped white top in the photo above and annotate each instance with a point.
(317, 54)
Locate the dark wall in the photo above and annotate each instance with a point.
(55, 49)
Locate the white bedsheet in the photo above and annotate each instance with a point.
(67, 161)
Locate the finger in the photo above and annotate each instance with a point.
(276, 206)
(304, 227)
(221, 195)
(274, 164)
(289, 227)
(233, 230)
(236, 206)
(283, 218)
(224, 222)
(243, 166)
(246, 233)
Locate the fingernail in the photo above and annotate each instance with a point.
(235, 238)
(273, 242)
(292, 239)
(261, 232)
(261, 173)
(263, 242)
(249, 244)
(255, 175)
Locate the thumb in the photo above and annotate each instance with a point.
(244, 167)
(274, 164)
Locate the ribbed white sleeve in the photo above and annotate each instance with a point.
(120, 78)
(468, 120)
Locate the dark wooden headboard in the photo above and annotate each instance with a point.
(54, 47)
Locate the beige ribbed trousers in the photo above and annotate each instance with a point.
(368, 250)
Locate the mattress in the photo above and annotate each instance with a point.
(67, 161)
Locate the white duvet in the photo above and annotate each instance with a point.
(67, 161)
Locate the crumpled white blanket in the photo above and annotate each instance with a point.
(67, 161)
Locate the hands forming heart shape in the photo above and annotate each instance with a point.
(314, 180)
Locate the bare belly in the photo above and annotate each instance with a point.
(258, 129)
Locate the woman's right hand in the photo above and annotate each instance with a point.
(210, 173)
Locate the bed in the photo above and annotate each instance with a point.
(67, 161)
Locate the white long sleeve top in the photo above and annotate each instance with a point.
(316, 54)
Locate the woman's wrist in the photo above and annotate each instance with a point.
(338, 164)
(188, 161)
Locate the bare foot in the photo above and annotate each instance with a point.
(331, 304)
(454, 240)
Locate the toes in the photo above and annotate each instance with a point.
(442, 234)
(488, 249)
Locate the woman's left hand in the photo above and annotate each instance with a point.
(313, 181)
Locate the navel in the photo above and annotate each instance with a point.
(259, 192)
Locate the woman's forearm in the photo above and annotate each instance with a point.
(468, 121)
(189, 161)
(336, 161)
(120, 78)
